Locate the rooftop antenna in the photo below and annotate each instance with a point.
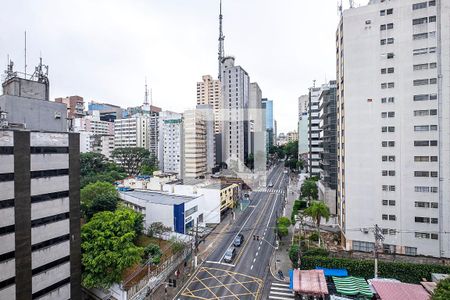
(314, 83)
(352, 3)
(221, 52)
(25, 54)
(339, 7)
(146, 93)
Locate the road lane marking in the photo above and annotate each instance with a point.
(259, 248)
(280, 289)
(280, 284)
(256, 254)
(254, 259)
(251, 268)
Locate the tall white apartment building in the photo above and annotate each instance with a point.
(208, 92)
(393, 74)
(93, 124)
(132, 132)
(170, 142)
(314, 142)
(198, 151)
(303, 125)
(235, 126)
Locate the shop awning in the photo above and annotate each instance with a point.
(310, 282)
(354, 286)
(334, 272)
(400, 290)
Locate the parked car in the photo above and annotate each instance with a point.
(229, 255)
(270, 184)
(238, 240)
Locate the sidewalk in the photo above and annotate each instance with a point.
(280, 259)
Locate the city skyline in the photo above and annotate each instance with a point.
(105, 53)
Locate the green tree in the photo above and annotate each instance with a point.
(284, 221)
(96, 197)
(153, 252)
(282, 231)
(131, 159)
(318, 210)
(309, 189)
(108, 248)
(96, 167)
(442, 291)
(250, 161)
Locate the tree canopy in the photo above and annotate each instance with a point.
(318, 210)
(132, 159)
(309, 189)
(97, 197)
(96, 167)
(108, 248)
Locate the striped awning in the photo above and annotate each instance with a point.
(354, 286)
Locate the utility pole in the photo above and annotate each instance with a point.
(196, 244)
(379, 238)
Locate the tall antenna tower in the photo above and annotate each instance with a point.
(146, 93)
(221, 52)
(25, 71)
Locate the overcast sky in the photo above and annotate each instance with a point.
(103, 49)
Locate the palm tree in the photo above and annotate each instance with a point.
(318, 210)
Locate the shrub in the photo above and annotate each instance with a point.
(405, 272)
(293, 255)
(154, 252)
(314, 237)
(282, 231)
(316, 252)
(442, 291)
(283, 221)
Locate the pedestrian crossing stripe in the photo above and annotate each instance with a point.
(280, 291)
(265, 190)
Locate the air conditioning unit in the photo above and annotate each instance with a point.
(365, 230)
(57, 115)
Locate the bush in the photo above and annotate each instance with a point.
(283, 221)
(293, 255)
(314, 237)
(442, 291)
(154, 252)
(316, 252)
(405, 272)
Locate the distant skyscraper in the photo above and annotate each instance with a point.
(234, 111)
(303, 125)
(75, 106)
(268, 106)
(208, 92)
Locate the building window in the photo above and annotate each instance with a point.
(420, 21)
(420, 5)
(421, 174)
(422, 219)
(420, 36)
(362, 246)
(419, 82)
(390, 55)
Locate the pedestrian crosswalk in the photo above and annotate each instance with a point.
(269, 190)
(280, 291)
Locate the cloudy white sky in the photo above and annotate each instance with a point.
(103, 49)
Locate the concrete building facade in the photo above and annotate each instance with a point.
(209, 92)
(75, 106)
(132, 132)
(234, 109)
(171, 142)
(393, 133)
(303, 124)
(327, 183)
(40, 240)
(314, 143)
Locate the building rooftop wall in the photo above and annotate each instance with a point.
(158, 197)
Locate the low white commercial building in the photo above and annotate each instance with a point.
(179, 212)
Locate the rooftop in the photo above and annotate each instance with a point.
(157, 197)
(218, 185)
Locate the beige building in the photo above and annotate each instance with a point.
(292, 136)
(208, 92)
(195, 136)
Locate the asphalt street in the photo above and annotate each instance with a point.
(244, 277)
